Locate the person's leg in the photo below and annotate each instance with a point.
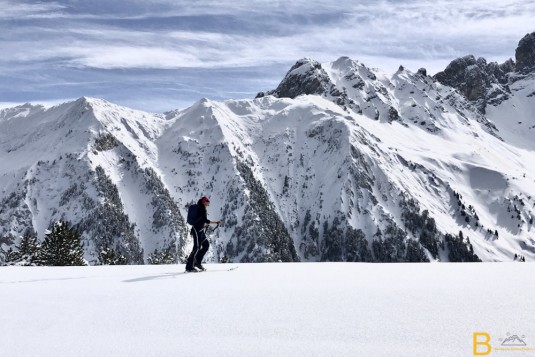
(191, 259)
(204, 245)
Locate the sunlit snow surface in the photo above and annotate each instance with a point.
(305, 309)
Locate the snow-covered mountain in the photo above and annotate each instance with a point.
(340, 162)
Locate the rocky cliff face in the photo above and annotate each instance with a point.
(305, 77)
(525, 54)
(489, 83)
(479, 81)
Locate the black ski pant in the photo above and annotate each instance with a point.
(200, 247)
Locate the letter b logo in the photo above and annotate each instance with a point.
(482, 344)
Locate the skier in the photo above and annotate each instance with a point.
(200, 242)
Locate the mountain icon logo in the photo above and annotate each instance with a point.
(514, 340)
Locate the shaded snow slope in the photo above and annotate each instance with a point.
(514, 116)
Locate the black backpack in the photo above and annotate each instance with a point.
(192, 214)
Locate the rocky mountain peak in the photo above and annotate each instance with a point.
(488, 83)
(508, 66)
(477, 80)
(422, 72)
(525, 54)
(305, 77)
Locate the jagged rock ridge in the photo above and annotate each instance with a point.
(489, 83)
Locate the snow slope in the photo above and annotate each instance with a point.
(307, 309)
(514, 116)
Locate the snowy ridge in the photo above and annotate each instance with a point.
(339, 163)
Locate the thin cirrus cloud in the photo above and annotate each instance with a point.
(146, 51)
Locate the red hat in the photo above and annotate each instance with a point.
(205, 199)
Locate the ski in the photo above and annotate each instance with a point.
(215, 270)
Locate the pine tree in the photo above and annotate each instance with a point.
(356, 246)
(108, 256)
(12, 257)
(165, 256)
(62, 246)
(27, 251)
(29, 244)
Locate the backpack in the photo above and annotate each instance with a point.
(192, 214)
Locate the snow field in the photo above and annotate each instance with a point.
(303, 309)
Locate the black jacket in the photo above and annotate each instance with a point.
(202, 217)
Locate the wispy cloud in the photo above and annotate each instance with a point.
(18, 9)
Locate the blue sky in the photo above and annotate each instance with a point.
(159, 55)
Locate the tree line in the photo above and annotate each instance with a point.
(62, 246)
